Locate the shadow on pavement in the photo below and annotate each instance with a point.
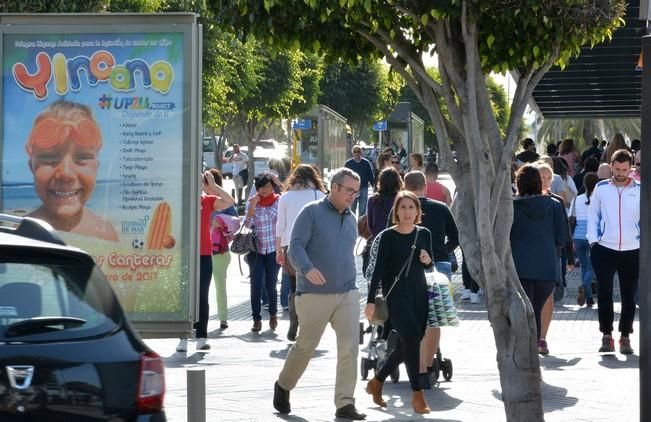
(555, 398)
(282, 353)
(182, 360)
(262, 337)
(398, 397)
(551, 362)
(290, 418)
(613, 361)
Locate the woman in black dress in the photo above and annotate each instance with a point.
(391, 256)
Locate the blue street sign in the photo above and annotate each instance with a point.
(302, 124)
(380, 126)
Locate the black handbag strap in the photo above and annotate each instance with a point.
(405, 266)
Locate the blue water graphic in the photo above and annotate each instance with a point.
(22, 197)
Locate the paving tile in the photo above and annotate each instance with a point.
(578, 384)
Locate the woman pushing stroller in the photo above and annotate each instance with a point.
(399, 257)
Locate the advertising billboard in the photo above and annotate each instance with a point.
(96, 123)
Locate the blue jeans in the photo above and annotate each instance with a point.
(264, 276)
(444, 267)
(360, 202)
(284, 289)
(582, 248)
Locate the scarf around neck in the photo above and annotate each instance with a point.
(267, 201)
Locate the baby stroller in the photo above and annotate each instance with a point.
(441, 313)
(379, 347)
(377, 351)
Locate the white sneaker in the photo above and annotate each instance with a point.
(474, 298)
(465, 294)
(202, 344)
(183, 345)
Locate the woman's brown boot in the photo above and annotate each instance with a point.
(374, 388)
(419, 403)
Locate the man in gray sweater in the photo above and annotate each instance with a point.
(321, 251)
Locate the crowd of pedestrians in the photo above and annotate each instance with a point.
(563, 207)
(593, 214)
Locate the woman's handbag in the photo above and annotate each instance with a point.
(381, 312)
(244, 241)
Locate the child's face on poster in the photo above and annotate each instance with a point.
(64, 176)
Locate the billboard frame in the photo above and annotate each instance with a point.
(123, 23)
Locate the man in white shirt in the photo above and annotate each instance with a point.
(614, 237)
(240, 171)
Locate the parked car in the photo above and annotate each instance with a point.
(67, 351)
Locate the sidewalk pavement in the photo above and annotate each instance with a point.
(578, 384)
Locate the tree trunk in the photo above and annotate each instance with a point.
(220, 145)
(483, 206)
(489, 260)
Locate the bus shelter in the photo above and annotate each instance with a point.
(404, 128)
(320, 138)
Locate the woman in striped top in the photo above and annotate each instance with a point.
(579, 210)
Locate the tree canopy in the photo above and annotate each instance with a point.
(499, 104)
(363, 93)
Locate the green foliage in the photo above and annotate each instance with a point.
(143, 6)
(583, 130)
(527, 33)
(362, 93)
(53, 6)
(310, 73)
(499, 104)
(518, 34)
(254, 87)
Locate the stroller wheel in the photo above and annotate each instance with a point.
(363, 368)
(395, 375)
(446, 367)
(436, 369)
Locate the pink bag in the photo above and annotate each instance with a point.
(222, 231)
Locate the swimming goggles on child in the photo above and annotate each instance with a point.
(50, 132)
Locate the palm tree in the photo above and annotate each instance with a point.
(584, 130)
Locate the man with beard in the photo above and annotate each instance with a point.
(614, 236)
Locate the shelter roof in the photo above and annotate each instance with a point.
(603, 82)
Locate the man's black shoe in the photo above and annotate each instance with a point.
(281, 399)
(349, 412)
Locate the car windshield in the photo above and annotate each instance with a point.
(54, 299)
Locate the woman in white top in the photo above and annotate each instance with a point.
(303, 186)
(579, 210)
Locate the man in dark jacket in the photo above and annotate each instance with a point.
(364, 169)
(593, 151)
